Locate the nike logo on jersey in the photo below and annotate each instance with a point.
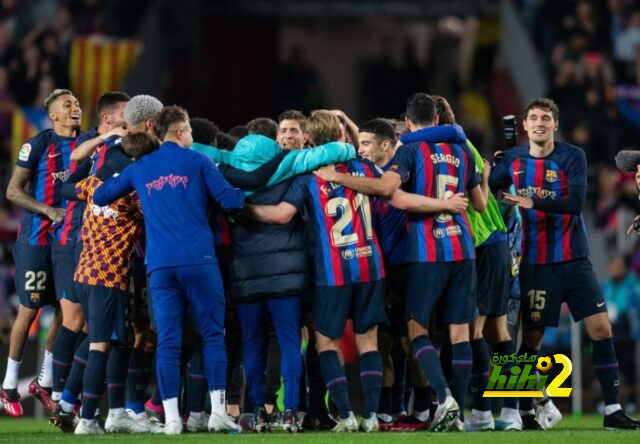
(515, 173)
(51, 156)
(600, 304)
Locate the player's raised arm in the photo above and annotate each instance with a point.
(114, 188)
(383, 186)
(88, 147)
(228, 197)
(416, 203)
(270, 214)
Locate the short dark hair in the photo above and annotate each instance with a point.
(444, 111)
(167, 117)
(381, 128)
(238, 132)
(109, 100)
(263, 126)
(204, 131)
(293, 114)
(543, 103)
(421, 109)
(138, 144)
(226, 142)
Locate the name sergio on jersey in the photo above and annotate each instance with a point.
(538, 192)
(437, 158)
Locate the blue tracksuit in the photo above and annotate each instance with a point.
(173, 185)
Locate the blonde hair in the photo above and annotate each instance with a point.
(323, 126)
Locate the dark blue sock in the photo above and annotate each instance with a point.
(421, 398)
(371, 380)
(506, 348)
(62, 357)
(317, 388)
(429, 362)
(79, 340)
(385, 405)
(93, 383)
(605, 364)
(526, 404)
(480, 374)
(400, 367)
(137, 379)
(461, 364)
(336, 381)
(73, 386)
(117, 367)
(197, 382)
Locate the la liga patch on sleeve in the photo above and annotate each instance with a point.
(25, 150)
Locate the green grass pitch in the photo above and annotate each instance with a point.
(583, 430)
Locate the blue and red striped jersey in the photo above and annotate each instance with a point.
(346, 247)
(391, 225)
(438, 170)
(47, 155)
(547, 237)
(68, 233)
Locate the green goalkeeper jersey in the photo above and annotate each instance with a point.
(485, 223)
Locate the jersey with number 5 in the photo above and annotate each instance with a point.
(438, 170)
(346, 248)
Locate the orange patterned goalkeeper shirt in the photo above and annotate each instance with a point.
(108, 237)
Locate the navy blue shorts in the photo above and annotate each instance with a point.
(546, 286)
(394, 301)
(64, 260)
(453, 283)
(493, 262)
(138, 290)
(34, 275)
(363, 303)
(82, 293)
(107, 314)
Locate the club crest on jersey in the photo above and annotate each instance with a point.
(25, 150)
(551, 176)
(35, 298)
(62, 176)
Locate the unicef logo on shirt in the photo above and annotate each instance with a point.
(439, 233)
(348, 254)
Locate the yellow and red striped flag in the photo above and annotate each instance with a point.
(97, 65)
(26, 122)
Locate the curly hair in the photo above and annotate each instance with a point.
(141, 108)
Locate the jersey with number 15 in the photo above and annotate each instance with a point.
(346, 247)
(438, 170)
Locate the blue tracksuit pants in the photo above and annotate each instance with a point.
(173, 289)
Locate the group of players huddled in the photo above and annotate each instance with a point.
(156, 249)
